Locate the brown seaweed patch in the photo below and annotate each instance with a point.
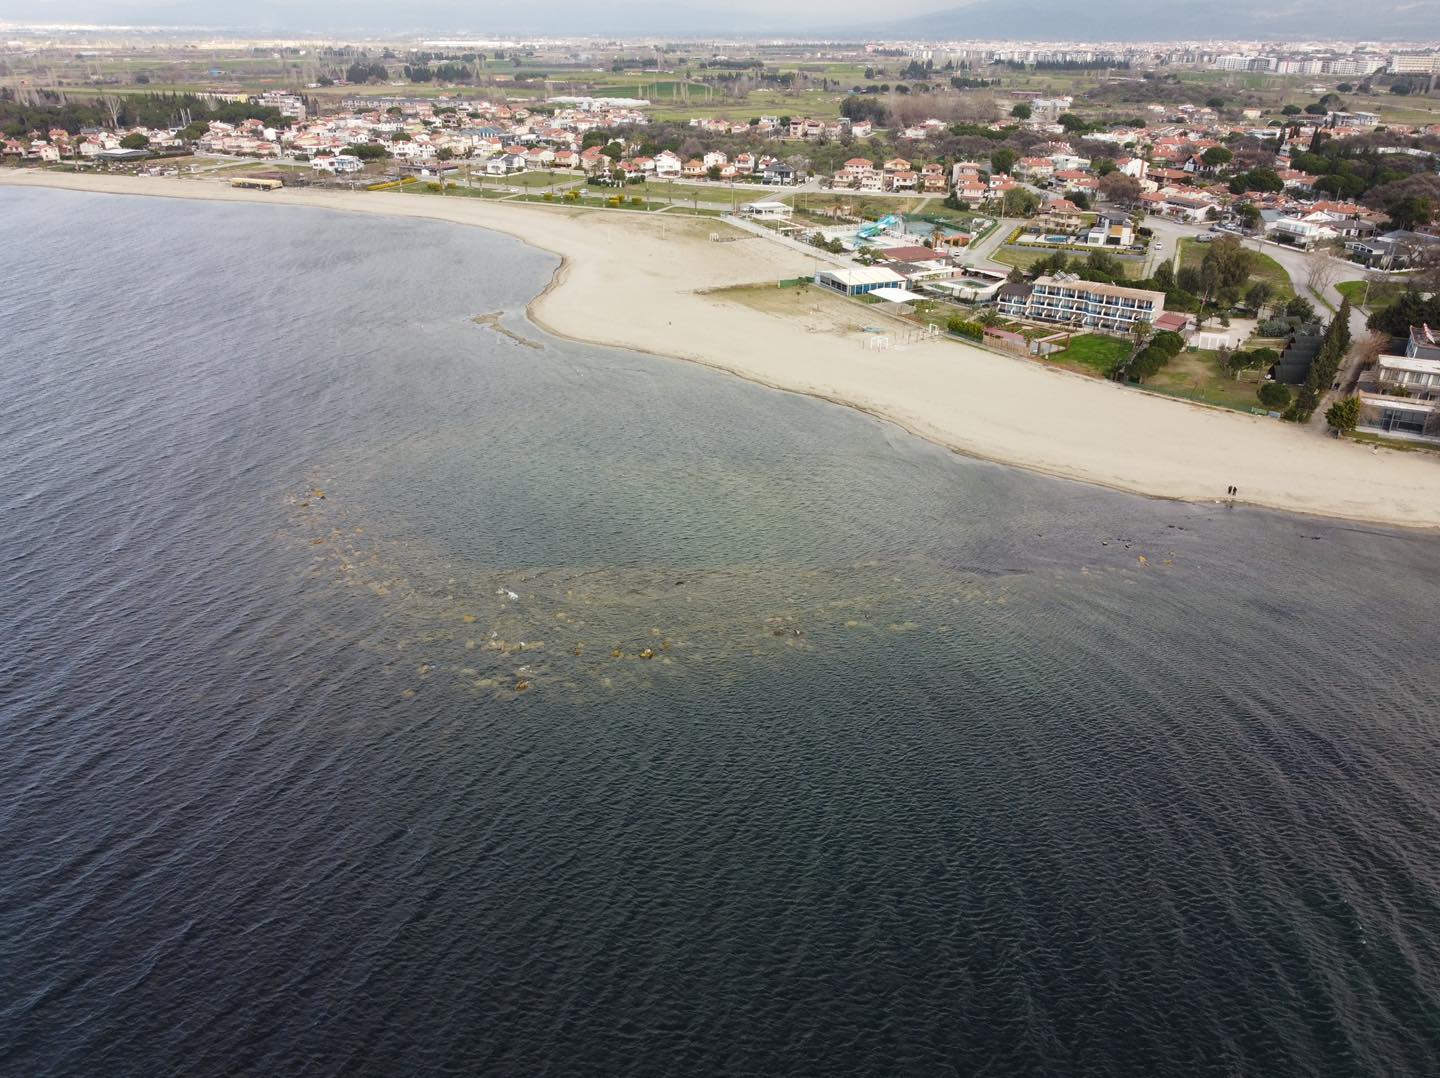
(492, 321)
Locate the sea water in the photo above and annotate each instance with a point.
(381, 693)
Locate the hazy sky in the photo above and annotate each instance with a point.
(1055, 20)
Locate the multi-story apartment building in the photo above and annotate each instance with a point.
(1415, 63)
(1065, 298)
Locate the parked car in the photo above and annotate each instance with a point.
(1205, 237)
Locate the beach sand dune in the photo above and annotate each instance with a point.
(655, 282)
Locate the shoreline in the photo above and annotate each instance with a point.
(620, 275)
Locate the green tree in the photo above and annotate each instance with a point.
(1275, 396)
(1344, 415)
(134, 141)
(1002, 159)
(1020, 202)
(1021, 111)
(367, 151)
(1411, 308)
(1300, 308)
(1224, 270)
(1216, 156)
(1410, 212)
(1259, 294)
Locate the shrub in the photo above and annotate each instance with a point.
(1172, 344)
(1344, 415)
(964, 328)
(1305, 403)
(1148, 362)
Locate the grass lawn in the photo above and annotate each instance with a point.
(1199, 376)
(1095, 352)
(1266, 268)
(452, 190)
(684, 194)
(1373, 295)
(540, 179)
(1023, 259)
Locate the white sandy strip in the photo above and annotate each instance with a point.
(624, 283)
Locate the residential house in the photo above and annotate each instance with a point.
(964, 172)
(1060, 215)
(1400, 395)
(972, 192)
(1035, 168)
(336, 164)
(902, 181)
(777, 172)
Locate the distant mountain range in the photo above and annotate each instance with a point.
(1159, 20)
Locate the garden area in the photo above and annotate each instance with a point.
(1202, 375)
(1094, 353)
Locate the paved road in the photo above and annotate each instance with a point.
(979, 256)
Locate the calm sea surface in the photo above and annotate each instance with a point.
(328, 743)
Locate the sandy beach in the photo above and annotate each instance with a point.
(648, 282)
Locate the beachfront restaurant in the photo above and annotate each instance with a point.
(857, 280)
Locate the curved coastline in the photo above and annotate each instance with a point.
(1336, 480)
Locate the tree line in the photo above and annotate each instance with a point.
(50, 108)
